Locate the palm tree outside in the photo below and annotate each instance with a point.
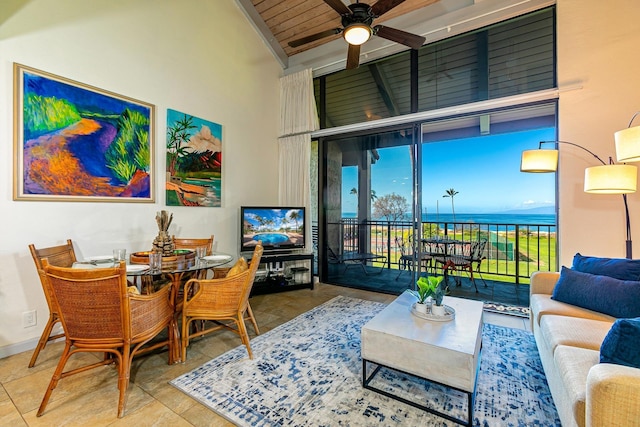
(374, 196)
(450, 193)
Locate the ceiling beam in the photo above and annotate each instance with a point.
(384, 89)
(260, 26)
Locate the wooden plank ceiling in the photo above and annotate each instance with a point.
(292, 19)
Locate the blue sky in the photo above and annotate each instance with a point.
(485, 171)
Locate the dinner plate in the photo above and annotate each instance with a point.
(101, 258)
(219, 257)
(134, 268)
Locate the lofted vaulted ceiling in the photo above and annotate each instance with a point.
(289, 20)
(282, 21)
(379, 88)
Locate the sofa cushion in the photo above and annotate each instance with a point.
(573, 331)
(573, 365)
(618, 298)
(542, 304)
(622, 344)
(618, 268)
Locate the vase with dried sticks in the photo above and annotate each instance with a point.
(163, 243)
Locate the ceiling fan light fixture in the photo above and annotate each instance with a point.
(356, 34)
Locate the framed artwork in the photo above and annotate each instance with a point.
(194, 161)
(74, 142)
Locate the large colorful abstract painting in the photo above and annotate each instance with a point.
(194, 161)
(75, 142)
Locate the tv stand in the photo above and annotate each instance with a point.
(283, 272)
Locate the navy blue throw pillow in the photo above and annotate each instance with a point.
(618, 268)
(622, 344)
(617, 298)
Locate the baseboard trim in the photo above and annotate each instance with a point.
(21, 347)
(28, 345)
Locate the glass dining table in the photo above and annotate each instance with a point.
(175, 270)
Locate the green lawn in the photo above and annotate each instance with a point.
(536, 252)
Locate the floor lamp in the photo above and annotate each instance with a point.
(606, 179)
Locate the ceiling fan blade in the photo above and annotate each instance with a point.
(353, 56)
(314, 37)
(339, 7)
(399, 36)
(383, 6)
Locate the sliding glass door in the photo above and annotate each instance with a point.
(388, 195)
(368, 207)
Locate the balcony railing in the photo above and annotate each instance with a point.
(512, 253)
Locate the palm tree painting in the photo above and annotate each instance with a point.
(80, 143)
(194, 161)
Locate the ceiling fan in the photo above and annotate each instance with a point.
(357, 20)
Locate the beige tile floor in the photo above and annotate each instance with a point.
(91, 398)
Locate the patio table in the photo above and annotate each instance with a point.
(361, 259)
(447, 247)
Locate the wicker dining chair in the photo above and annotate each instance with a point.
(223, 301)
(193, 243)
(61, 256)
(99, 315)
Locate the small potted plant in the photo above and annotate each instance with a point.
(438, 295)
(426, 288)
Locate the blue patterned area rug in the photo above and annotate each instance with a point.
(308, 372)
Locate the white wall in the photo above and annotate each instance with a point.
(198, 57)
(598, 43)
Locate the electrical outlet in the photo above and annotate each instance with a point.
(29, 319)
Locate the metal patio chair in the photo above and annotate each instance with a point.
(468, 258)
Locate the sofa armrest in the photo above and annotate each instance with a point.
(613, 393)
(543, 282)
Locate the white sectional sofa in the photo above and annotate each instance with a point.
(585, 391)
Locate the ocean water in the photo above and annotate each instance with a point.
(520, 219)
(484, 218)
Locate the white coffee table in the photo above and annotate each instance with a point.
(442, 352)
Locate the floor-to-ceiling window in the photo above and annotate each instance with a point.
(375, 185)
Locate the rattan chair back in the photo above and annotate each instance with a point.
(99, 315)
(93, 303)
(63, 256)
(192, 243)
(219, 300)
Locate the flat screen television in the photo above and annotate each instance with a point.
(280, 228)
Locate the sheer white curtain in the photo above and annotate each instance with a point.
(295, 158)
(298, 118)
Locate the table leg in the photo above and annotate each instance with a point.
(174, 330)
(366, 380)
(174, 342)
